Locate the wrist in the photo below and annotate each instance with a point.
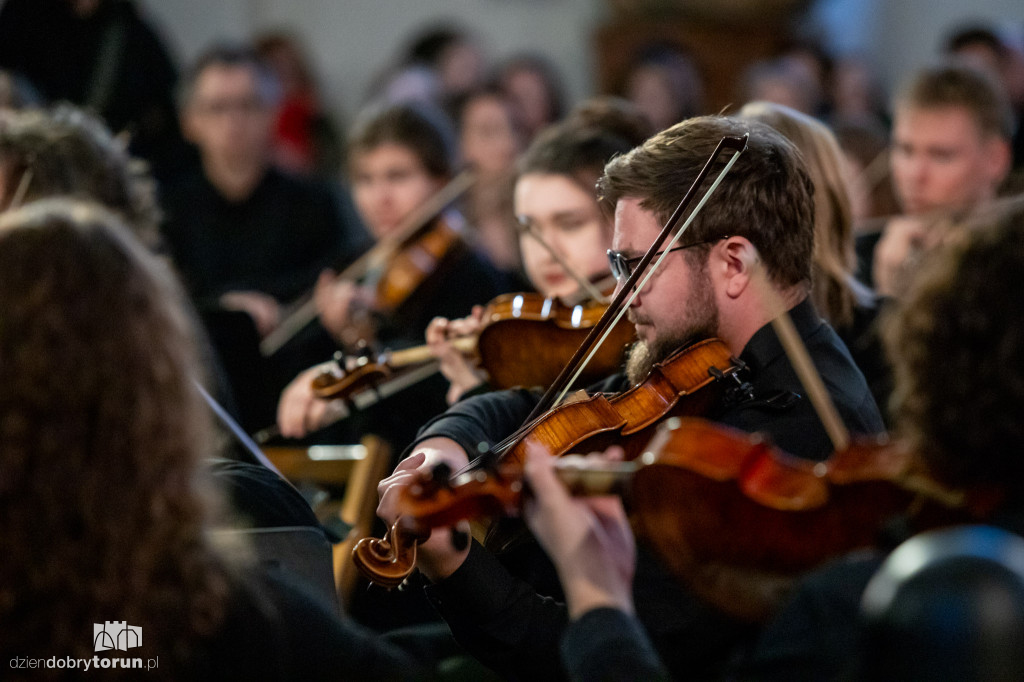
(585, 596)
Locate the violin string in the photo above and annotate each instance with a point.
(295, 320)
(648, 275)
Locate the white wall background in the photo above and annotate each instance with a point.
(350, 40)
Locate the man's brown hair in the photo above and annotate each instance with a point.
(766, 198)
(956, 84)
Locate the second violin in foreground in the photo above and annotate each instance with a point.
(734, 518)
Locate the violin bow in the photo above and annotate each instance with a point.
(306, 312)
(630, 289)
(339, 408)
(800, 359)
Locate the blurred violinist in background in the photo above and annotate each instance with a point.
(563, 233)
(950, 152)
(399, 157)
(306, 139)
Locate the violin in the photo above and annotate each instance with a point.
(686, 383)
(416, 260)
(734, 518)
(573, 424)
(525, 340)
(399, 262)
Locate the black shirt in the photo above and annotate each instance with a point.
(276, 241)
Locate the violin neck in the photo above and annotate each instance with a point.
(420, 354)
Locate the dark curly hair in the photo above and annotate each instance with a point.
(69, 152)
(102, 431)
(957, 347)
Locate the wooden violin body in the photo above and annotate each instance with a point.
(527, 339)
(738, 520)
(732, 517)
(416, 260)
(685, 383)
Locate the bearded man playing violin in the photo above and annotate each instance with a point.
(755, 233)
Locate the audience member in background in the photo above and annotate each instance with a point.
(440, 64)
(536, 88)
(305, 138)
(102, 55)
(1004, 60)
(105, 506)
(783, 81)
(950, 152)
(554, 201)
(665, 84)
(490, 140)
(247, 238)
(855, 91)
(849, 306)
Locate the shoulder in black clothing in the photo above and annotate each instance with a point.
(276, 241)
(275, 630)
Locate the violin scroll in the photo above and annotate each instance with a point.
(434, 501)
(387, 561)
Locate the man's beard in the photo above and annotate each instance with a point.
(700, 321)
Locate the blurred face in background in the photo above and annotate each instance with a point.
(941, 160)
(229, 116)
(489, 139)
(388, 183)
(570, 221)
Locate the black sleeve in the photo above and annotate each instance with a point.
(608, 645)
(276, 629)
(321, 646)
(501, 620)
(815, 635)
(482, 421)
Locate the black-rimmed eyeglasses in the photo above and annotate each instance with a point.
(622, 267)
